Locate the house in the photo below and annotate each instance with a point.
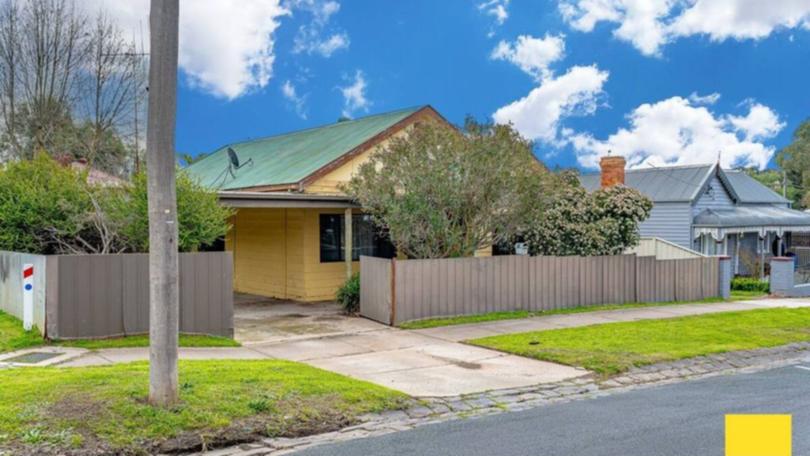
(295, 234)
(709, 210)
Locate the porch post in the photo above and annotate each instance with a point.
(347, 242)
(762, 242)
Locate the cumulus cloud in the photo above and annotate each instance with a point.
(354, 95)
(650, 24)
(675, 131)
(298, 102)
(226, 46)
(538, 115)
(530, 54)
(314, 37)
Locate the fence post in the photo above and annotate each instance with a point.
(782, 280)
(393, 291)
(724, 276)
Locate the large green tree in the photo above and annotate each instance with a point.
(439, 192)
(794, 159)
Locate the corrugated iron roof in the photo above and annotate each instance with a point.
(291, 157)
(670, 184)
(749, 190)
(751, 216)
(683, 184)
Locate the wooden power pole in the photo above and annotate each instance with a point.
(163, 257)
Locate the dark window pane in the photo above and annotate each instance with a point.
(331, 231)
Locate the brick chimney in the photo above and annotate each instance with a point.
(612, 170)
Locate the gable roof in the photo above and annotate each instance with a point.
(289, 160)
(686, 183)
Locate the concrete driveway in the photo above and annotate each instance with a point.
(420, 365)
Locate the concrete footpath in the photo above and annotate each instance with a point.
(433, 362)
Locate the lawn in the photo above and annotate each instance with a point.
(221, 402)
(494, 316)
(616, 347)
(12, 337)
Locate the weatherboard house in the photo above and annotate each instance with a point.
(295, 234)
(710, 210)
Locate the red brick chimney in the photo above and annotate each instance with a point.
(612, 170)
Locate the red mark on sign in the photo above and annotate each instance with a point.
(28, 272)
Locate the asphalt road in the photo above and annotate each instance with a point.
(676, 420)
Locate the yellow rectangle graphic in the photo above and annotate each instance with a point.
(758, 435)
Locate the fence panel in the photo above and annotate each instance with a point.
(97, 296)
(466, 286)
(375, 289)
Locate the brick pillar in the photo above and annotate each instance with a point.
(612, 170)
(782, 276)
(724, 276)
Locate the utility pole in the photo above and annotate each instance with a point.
(163, 256)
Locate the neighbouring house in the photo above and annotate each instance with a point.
(710, 210)
(289, 235)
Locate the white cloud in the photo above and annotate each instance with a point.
(226, 46)
(650, 24)
(354, 95)
(538, 115)
(708, 99)
(497, 9)
(312, 38)
(297, 101)
(676, 132)
(530, 54)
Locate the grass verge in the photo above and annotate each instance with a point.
(13, 337)
(518, 314)
(616, 347)
(104, 409)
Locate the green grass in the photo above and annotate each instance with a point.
(12, 337)
(518, 314)
(616, 347)
(106, 406)
(186, 340)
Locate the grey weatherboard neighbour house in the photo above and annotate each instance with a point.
(714, 211)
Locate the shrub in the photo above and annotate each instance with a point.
(349, 294)
(750, 284)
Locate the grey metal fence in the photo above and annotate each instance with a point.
(97, 296)
(395, 291)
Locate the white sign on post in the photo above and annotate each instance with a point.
(28, 296)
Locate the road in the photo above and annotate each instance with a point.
(675, 420)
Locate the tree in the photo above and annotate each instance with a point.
(603, 222)
(794, 159)
(56, 68)
(439, 192)
(201, 220)
(162, 201)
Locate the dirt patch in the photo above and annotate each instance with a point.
(292, 417)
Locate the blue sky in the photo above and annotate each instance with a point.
(604, 74)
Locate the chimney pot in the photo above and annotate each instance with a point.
(612, 170)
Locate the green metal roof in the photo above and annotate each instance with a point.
(291, 157)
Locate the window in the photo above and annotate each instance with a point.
(366, 238)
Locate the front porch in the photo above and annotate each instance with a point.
(751, 236)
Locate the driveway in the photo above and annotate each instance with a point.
(319, 334)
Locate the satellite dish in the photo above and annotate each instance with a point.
(233, 158)
(234, 164)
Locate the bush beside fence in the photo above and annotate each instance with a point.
(395, 291)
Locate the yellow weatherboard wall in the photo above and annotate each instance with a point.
(276, 252)
(758, 435)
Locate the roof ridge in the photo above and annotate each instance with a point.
(324, 126)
